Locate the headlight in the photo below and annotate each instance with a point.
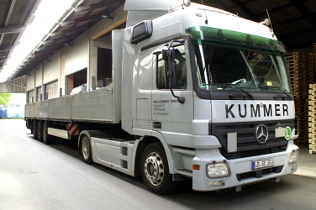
(217, 170)
(293, 157)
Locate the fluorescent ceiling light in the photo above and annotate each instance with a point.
(46, 16)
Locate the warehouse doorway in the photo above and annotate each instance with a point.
(76, 79)
(104, 67)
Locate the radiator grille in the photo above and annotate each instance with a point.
(247, 144)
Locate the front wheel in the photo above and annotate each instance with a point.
(155, 170)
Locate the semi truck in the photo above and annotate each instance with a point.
(196, 93)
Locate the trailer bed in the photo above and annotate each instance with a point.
(93, 106)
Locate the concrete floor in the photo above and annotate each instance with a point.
(35, 176)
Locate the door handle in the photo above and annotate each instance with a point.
(157, 124)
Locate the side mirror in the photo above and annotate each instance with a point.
(170, 67)
(166, 54)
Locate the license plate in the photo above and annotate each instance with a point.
(262, 163)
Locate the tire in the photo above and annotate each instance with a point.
(155, 170)
(85, 148)
(84, 143)
(34, 129)
(39, 131)
(47, 139)
(31, 127)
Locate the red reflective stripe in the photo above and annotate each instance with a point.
(75, 131)
(70, 126)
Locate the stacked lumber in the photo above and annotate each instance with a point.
(312, 113)
(312, 119)
(315, 60)
(301, 67)
(315, 56)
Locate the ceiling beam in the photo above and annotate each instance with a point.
(312, 30)
(3, 59)
(61, 37)
(110, 28)
(5, 47)
(88, 17)
(304, 11)
(11, 30)
(6, 23)
(275, 9)
(293, 20)
(247, 11)
(297, 46)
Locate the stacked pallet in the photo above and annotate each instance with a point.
(312, 119)
(312, 113)
(301, 66)
(315, 56)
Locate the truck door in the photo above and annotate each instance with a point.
(142, 92)
(170, 117)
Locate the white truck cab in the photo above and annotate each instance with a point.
(219, 93)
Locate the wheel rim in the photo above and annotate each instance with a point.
(154, 168)
(85, 148)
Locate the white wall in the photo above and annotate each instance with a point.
(3, 88)
(30, 80)
(39, 76)
(77, 57)
(51, 69)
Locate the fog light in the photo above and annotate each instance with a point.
(216, 183)
(294, 157)
(217, 170)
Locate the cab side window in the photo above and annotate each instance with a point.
(180, 74)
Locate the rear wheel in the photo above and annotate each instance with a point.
(34, 129)
(85, 143)
(155, 170)
(47, 139)
(86, 149)
(39, 131)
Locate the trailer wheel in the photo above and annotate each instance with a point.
(34, 129)
(39, 131)
(155, 170)
(86, 149)
(47, 139)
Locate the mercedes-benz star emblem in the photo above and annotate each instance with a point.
(262, 134)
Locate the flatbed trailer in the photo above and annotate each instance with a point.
(197, 93)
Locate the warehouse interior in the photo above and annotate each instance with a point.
(85, 29)
(79, 53)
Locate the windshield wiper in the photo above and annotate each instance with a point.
(235, 85)
(275, 87)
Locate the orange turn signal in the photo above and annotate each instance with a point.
(196, 167)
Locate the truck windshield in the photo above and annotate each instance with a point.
(224, 67)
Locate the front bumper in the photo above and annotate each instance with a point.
(241, 169)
